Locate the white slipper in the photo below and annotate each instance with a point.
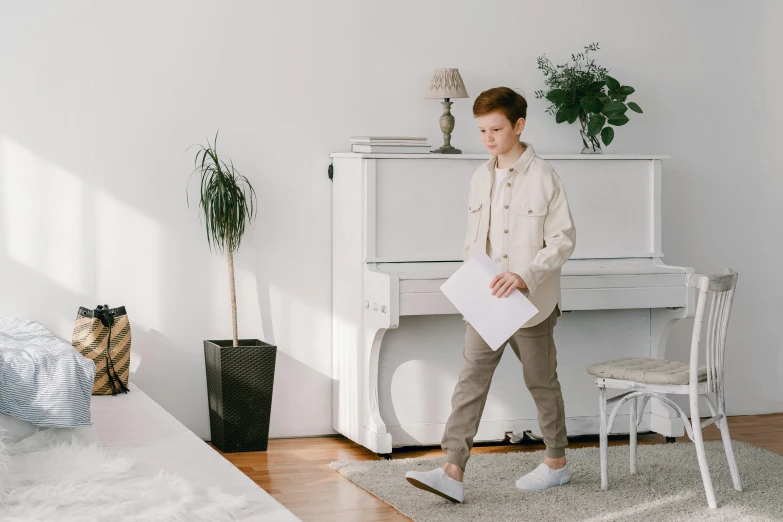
(436, 481)
(544, 477)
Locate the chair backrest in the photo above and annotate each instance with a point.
(716, 294)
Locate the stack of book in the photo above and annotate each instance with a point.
(389, 144)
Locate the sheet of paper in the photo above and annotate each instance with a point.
(495, 319)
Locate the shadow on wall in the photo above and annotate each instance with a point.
(46, 245)
(283, 422)
(59, 251)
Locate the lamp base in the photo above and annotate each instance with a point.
(446, 150)
(446, 126)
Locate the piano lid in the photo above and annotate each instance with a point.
(572, 267)
(621, 266)
(586, 284)
(430, 270)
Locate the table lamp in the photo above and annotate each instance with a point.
(447, 84)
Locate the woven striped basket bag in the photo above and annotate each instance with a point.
(103, 335)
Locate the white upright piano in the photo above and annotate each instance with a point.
(399, 223)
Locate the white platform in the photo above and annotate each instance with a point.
(139, 428)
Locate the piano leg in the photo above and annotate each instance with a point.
(381, 314)
(663, 419)
(378, 439)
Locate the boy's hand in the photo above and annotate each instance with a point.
(505, 283)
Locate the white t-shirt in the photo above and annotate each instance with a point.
(495, 237)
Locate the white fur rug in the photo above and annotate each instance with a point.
(59, 475)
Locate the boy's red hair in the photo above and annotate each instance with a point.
(502, 99)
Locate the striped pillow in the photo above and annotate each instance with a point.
(43, 379)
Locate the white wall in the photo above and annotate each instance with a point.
(99, 100)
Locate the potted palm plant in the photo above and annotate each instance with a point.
(240, 372)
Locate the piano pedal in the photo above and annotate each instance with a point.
(527, 435)
(385, 456)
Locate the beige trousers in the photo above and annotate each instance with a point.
(535, 349)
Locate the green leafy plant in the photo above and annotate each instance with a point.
(227, 202)
(582, 90)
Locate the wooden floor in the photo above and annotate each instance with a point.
(296, 471)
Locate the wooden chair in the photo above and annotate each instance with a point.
(646, 377)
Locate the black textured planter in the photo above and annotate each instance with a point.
(239, 388)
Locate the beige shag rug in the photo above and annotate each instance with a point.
(666, 487)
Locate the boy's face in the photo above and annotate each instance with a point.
(497, 133)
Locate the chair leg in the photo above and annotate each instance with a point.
(723, 426)
(634, 404)
(604, 437)
(701, 453)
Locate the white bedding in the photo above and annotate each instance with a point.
(14, 429)
(43, 379)
(141, 429)
(136, 427)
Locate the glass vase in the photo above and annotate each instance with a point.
(590, 144)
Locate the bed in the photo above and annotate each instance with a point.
(141, 429)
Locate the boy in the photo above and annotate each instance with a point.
(518, 213)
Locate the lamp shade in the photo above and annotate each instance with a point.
(447, 83)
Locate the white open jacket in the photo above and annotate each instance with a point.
(539, 233)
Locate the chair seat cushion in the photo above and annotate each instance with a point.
(645, 370)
